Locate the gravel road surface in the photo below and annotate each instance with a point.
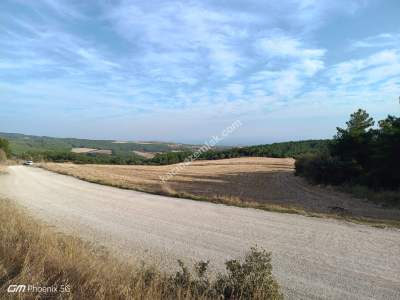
(313, 258)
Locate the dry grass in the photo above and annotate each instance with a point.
(31, 253)
(266, 183)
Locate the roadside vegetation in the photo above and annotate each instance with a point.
(32, 253)
(361, 159)
(4, 150)
(4, 153)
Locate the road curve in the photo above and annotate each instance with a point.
(313, 258)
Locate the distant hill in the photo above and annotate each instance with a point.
(129, 152)
(22, 143)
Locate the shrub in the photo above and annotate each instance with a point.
(248, 279)
(5, 146)
(3, 156)
(325, 169)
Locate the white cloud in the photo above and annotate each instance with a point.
(174, 58)
(298, 62)
(311, 66)
(279, 45)
(235, 89)
(383, 40)
(290, 64)
(208, 36)
(372, 69)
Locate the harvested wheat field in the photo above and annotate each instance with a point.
(257, 180)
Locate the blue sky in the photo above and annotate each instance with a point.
(185, 70)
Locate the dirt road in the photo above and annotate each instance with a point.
(313, 258)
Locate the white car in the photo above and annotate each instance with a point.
(28, 163)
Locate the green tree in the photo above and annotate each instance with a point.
(386, 158)
(353, 143)
(358, 124)
(359, 155)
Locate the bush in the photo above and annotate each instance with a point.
(248, 279)
(3, 156)
(4, 145)
(326, 169)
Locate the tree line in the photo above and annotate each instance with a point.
(279, 150)
(82, 158)
(285, 149)
(359, 154)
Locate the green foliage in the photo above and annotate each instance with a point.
(64, 156)
(354, 142)
(385, 165)
(3, 156)
(358, 124)
(170, 157)
(20, 143)
(359, 155)
(326, 169)
(286, 149)
(248, 279)
(5, 146)
(59, 150)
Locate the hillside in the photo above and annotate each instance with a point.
(21, 143)
(129, 152)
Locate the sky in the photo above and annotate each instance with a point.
(184, 71)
